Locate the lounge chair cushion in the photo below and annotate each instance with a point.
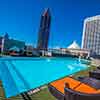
(85, 88)
(75, 85)
(59, 84)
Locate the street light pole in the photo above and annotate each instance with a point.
(2, 47)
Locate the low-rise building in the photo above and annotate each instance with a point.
(6, 43)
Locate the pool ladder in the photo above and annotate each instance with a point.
(25, 96)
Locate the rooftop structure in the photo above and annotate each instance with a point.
(74, 45)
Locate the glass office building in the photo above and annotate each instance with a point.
(44, 30)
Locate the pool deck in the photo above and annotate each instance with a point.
(44, 94)
(95, 62)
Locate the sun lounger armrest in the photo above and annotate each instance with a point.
(75, 95)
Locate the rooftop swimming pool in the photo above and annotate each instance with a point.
(23, 74)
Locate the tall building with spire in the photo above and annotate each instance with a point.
(44, 30)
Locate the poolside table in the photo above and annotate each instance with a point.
(95, 74)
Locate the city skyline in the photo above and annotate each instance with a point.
(20, 18)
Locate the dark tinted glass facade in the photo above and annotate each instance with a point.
(43, 36)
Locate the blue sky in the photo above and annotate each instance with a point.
(21, 19)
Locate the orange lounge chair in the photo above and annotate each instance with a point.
(59, 91)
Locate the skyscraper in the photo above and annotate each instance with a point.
(91, 34)
(44, 30)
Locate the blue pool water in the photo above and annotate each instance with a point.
(23, 74)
